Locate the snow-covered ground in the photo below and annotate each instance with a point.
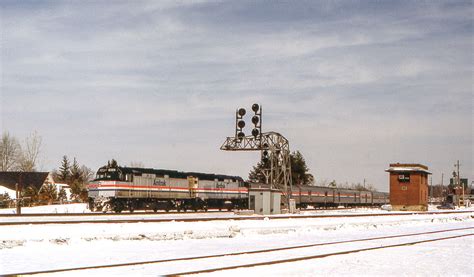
(35, 247)
(82, 208)
(11, 193)
(67, 208)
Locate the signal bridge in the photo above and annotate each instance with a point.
(274, 149)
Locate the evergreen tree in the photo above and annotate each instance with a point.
(259, 172)
(48, 193)
(76, 190)
(30, 195)
(299, 171)
(5, 200)
(62, 195)
(65, 170)
(75, 171)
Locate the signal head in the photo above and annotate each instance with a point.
(255, 107)
(240, 135)
(241, 112)
(255, 119)
(255, 132)
(241, 124)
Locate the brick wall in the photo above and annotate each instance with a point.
(414, 192)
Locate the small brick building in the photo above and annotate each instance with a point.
(408, 187)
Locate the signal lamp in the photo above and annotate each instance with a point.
(255, 107)
(255, 132)
(264, 159)
(255, 119)
(241, 135)
(265, 153)
(265, 145)
(241, 124)
(242, 112)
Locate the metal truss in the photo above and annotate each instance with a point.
(273, 146)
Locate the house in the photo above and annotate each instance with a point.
(9, 180)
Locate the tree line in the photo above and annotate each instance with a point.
(76, 176)
(299, 171)
(300, 175)
(24, 156)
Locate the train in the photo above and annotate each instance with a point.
(118, 188)
(321, 197)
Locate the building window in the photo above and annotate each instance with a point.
(404, 177)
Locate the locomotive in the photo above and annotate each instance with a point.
(120, 188)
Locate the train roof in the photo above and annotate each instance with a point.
(177, 174)
(339, 189)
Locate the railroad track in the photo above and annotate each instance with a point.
(125, 213)
(107, 214)
(201, 219)
(198, 259)
(161, 212)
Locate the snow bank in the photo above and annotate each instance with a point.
(65, 208)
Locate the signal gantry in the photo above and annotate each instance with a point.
(274, 149)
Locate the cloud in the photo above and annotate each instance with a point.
(354, 85)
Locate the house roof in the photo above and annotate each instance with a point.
(33, 179)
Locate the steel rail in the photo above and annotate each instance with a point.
(315, 256)
(202, 219)
(239, 253)
(107, 214)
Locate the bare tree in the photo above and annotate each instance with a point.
(30, 152)
(9, 152)
(87, 174)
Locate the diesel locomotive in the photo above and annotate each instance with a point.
(118, 188)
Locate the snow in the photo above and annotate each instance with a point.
(34, 247)
(11, 192)
(433, 259)
(67, 208)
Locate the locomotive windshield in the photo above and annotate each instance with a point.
(108, 174)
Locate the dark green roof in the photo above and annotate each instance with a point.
(28, 179)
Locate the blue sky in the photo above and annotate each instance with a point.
(354, 85)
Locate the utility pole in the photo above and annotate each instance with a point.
(18, 186)
(458, 177)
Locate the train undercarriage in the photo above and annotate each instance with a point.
(118, 205)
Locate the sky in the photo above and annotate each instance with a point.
(353, 85)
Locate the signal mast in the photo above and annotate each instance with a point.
(274, 150)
